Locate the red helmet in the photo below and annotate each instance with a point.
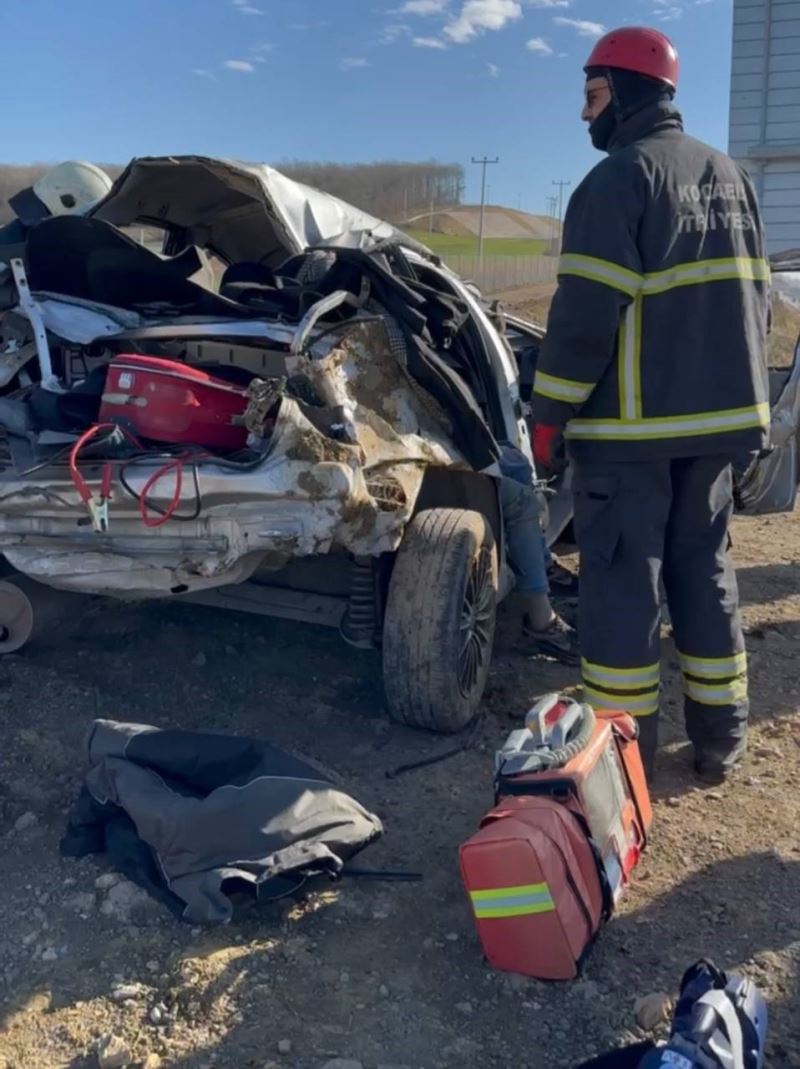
(639, 49)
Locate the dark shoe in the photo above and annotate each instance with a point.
(563, 583)
(714, 765)
(558, 640)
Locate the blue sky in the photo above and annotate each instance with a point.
(337, 80)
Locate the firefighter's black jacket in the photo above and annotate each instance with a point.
(656, 340)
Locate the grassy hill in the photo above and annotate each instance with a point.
(445, 245)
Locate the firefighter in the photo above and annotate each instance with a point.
(653, 372)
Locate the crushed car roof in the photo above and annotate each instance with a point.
(245, 211)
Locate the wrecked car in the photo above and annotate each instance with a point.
(223, 387)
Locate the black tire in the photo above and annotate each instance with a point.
(438, 628)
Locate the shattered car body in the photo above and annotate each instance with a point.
(311, 493)
(377, 390)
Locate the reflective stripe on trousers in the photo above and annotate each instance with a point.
(633, 690)
(639, 523)
(716, 680)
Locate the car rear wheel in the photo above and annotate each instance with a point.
(438, 629)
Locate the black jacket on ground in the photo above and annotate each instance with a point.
(191, 817)
(656, 339)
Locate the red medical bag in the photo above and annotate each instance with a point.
(571, 819)
(166, 401)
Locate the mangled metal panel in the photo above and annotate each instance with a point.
(351, 485)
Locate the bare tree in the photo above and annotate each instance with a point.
(393, 190)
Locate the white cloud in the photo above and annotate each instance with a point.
(394, 32)
(429, 42)
(494, 70)
(667, 10)
(548, 3)
(424, 7)
(584, 28)
(478, 16)
(244, 7)
(202, 72)
(244, 66)
(351, 63)
(540, 46)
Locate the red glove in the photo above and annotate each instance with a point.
(543, 442)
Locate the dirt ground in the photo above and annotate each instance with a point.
(376, 975)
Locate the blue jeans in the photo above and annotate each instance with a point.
(527, 550)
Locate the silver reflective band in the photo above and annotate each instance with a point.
(622, 679)
(642, 704)
(714, 668)
(628, 371)
(729, 694)
(706, 271)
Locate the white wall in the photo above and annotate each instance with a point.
(765, 110)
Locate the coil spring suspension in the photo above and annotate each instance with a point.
(360, 625)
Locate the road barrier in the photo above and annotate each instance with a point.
(504, 272)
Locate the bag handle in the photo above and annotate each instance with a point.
(556, 729)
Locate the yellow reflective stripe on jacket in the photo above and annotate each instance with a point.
(597, 270)
(723, 694)
(640, 705)
(512, 901)
(692, 274)
(702, 423)
(689, 274)
(569, 390)
(713, 667)
(621, 678)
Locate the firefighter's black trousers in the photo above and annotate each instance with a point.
(638, 524)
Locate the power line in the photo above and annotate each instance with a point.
(484, 163)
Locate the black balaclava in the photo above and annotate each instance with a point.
(630, 92)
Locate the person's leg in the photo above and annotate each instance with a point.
(546, 632)
(621, 513)
(703, 600)
(524, 543)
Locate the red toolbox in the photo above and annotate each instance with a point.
(167, 401)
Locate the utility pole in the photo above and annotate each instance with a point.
(552, 205)
(484, 163)
(561, 187)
